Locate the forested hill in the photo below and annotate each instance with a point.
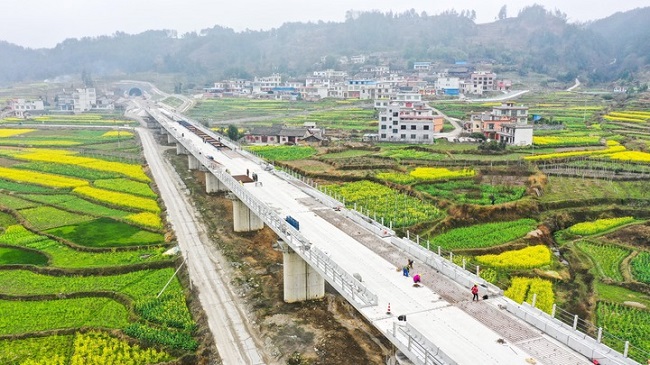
(535, 40)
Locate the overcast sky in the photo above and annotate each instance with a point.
(44, 23)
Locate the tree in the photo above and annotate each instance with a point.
(503, 13)
(86, 79)
(478, 136)
(233, 132)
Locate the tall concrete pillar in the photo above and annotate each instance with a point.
(245, 220)
(192, 162)
(212, 184)
(170, 138)
(181, 150)
(301, 281)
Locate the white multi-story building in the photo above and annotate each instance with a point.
(480, 82)
(518, 114)
(84, 100)
(507, 123)
(421, 66)
(401, 99)
(330, 74)
(358, 59)
(516, 134)
(408, 122)
(361, 89)
(22, 108)
(266, 84)
(448, 85)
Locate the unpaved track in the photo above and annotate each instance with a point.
(207, 269)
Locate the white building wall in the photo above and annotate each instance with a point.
(523, 136)
(84, 100)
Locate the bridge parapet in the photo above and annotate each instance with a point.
(416, 347)
(571, 337)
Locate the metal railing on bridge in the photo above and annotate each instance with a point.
(416, 347)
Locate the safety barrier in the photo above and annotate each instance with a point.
(416, 347)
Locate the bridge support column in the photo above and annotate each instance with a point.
(301, 281)
(192, 162)
(244, 220)
(212, 184)
(181, 150)
(170, 138)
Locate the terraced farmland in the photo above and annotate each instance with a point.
(91, 262)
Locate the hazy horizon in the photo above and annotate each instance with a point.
(44, 24)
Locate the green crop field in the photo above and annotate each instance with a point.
(625, 322)
(76, 236)
(105, 232)
(641, 267)
(13, 256)
(484, 235)
(467, 191)
(283, 153)
(607, 259)
(571, 188)
(384, 202)
(41, 315)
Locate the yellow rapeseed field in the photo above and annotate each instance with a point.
(13, 132)
(40, 178)
(635, 156)
(117, 134)
(68, 158)
(526, 258)
(119, 199)
(548, 156)
(145, 219)
(434, 173)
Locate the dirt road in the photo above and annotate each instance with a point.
(208, 270)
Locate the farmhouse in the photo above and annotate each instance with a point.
(22, 108)
(409, 122)
(280, 134)
(506, 123)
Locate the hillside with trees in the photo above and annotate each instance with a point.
(536, 40)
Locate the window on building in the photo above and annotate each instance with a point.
(383, 126)
(383, 135)
(383, 119)
(414, 127)
(413, 136)
(402, 127)
(394, 131)
(426, 128)
(425, 136)
(395, 122)
(491, 126)
(395, 114)
(402, 136)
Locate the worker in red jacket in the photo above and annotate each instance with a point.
(475, 293)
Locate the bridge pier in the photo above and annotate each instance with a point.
(192, 162)
(181, 150)
(170, 138)
(213, 184)
(244, 220)
(301, 281)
